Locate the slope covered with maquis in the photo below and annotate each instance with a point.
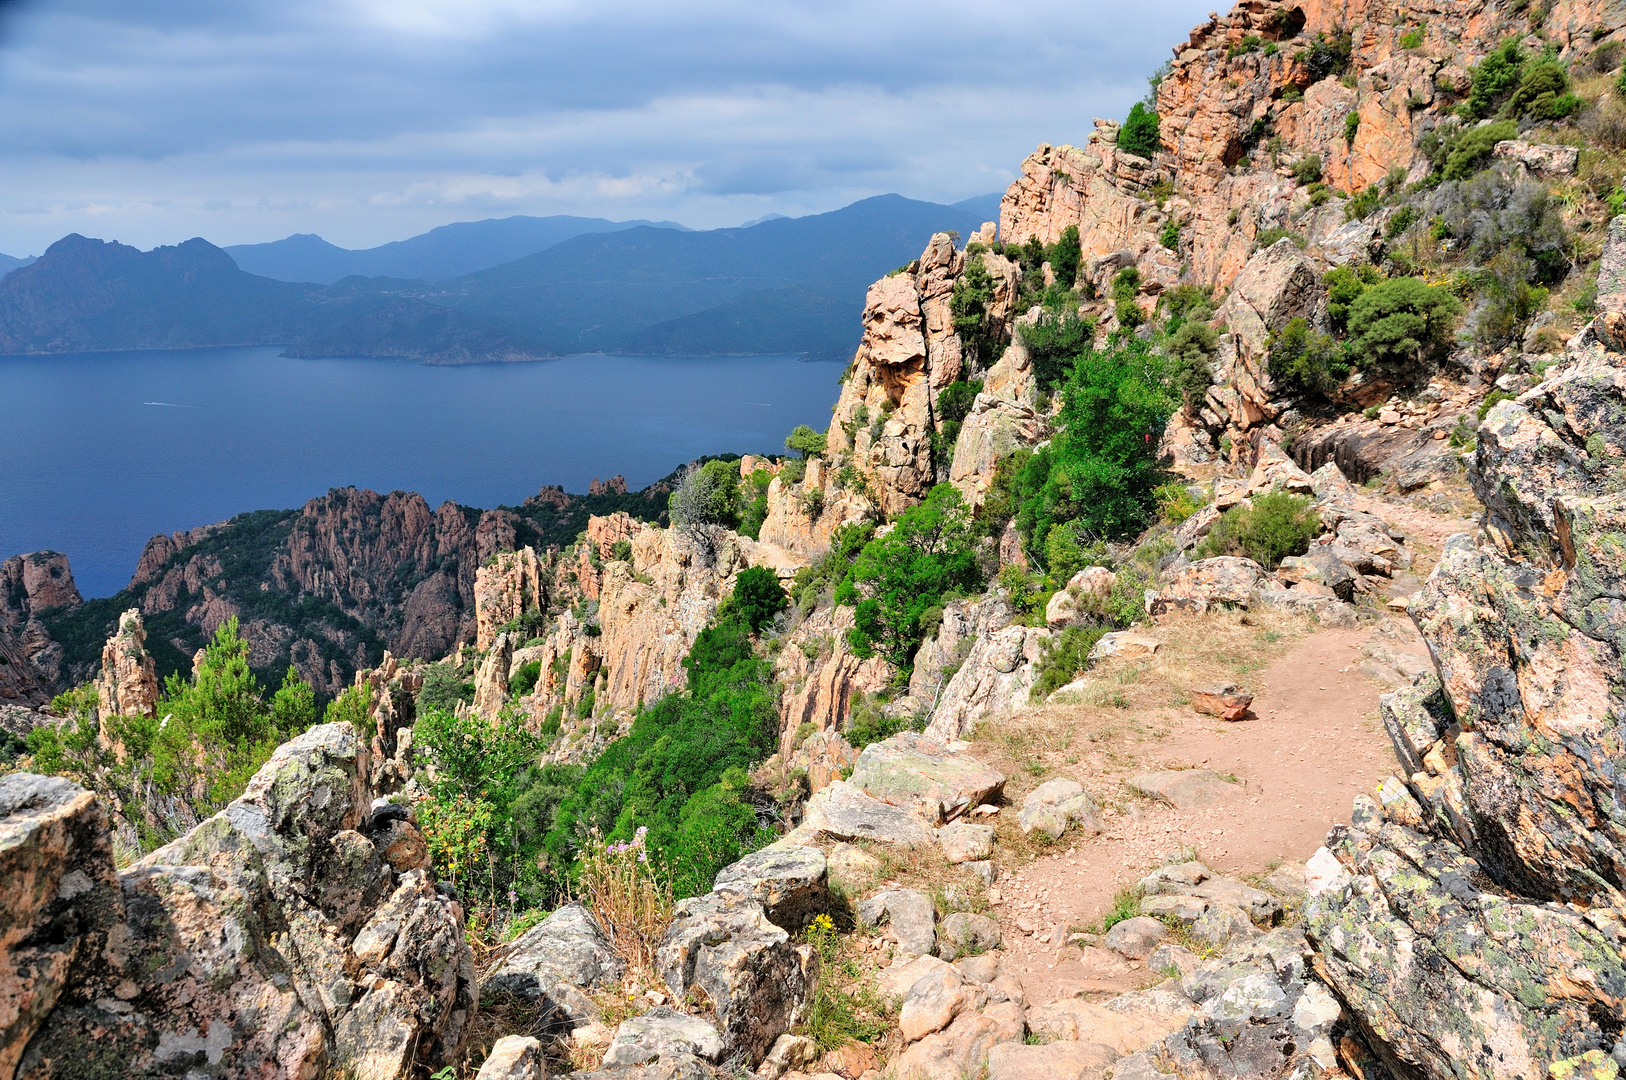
(897, 716)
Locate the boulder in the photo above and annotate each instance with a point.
(924, 776)
(663, 1033)
(1225, 579)
(997, 677)
(791, 883)
(909, 916)
(1278, 284)
(274, 936)
(963, 1047)
(555, 962)
(962, 933)
(1056, 804)
(843, 812)
(1135, 938)
(935, 999)
(1328, 483)
(1128, 1023)
(1329, 611)
(790, 1053)
(1050, 1061)
(1123, 643)
(514, 1057)
(1184, 789)
(895, 980)
(1546, 159)
(1220, 925)
(963, 842)
(757, 981)
(1227, 701)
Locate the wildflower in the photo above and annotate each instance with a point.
(824, 924)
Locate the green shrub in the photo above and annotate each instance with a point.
(1352, 124)
(522, 680)
(1062, 658)
(1493, 399)
(1401, 322)
(1344, 284)
(1246, 45)
(1174, 502)
(1543, 92)
(927, 557)
(1101, 469)
(1140, 135)
(1400, 221)
(1494, 79)
(866, 723)
(1328, 55)
(1064, 256)
(1269, 237)
(1469, 151)
(1412, 39)
(954, 401)
(1305, 360)
(1169, 237)
(1307, 169)
(755, 496)
(707, 496)
(1053, 342)
(805, 441)
(1276, 526)
(1065, 554)
(757, 598)
(1191, 351)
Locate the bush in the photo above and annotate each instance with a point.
(1269, 237)
(929, 556)
(443, 688)
(1307, 169)
(1492, 213)
(1306, 361)
(522, 680)
(1401, 322)
(1352, 125)
(1344, 284)
(756, 599)
(1400, 221)
(1276, 526)
(1191, 351)
(954, 401)
(1469, 151)
(755, 497)
(1101, 469)
(1065, 554)
(1140, 135)
(866, 723)
(680, 772)
(1494, 79)
(1542, 93)
(1328, 55)
(1062, 658)
(1053, 342)
(1170, 236)
(968, 304)
(1125, 287)
(1064, 255)
(1412, 39)
(707, 496)
(805, 441)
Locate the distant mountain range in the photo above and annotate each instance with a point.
(785, 285)
(447, 252)
(8, 263)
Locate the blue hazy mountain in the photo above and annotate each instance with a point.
(449, 251)
(8, 263)
(787, 285)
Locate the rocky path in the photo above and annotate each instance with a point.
(1316, 742)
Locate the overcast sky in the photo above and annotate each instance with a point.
(372, 120)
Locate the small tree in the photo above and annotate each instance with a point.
(1401, 322)
(929, 555)
(757, 597)
(707, 496)
(1140, 135)
(805, 441)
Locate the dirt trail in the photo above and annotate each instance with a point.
(1317, 742)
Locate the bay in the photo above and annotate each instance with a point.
(99, 452)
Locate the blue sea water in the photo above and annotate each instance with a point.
(99, 452)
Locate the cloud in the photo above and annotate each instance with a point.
(368, 120)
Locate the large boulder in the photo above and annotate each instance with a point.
(756, 979)
(556, 962)
(924, 776)
(997, 676)
(843, 812)
(1277, 285)
(1056, 804)
(274, 939)
(909, 917)
(1224, 579)
(791, 883)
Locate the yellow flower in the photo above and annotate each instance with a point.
(824, 923)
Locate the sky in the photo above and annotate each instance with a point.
(372, 120)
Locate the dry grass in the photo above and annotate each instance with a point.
(631, 900)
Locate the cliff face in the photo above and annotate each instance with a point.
(32, 586)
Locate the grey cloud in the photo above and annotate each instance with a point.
(375, 118)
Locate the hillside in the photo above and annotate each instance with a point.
(1193, 649)
(447, 251)
(8, 263)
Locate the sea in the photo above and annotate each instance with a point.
(100, 451)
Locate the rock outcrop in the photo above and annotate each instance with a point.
(1471, 917)
(31, 586)
(128, 684)
(273, 940)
